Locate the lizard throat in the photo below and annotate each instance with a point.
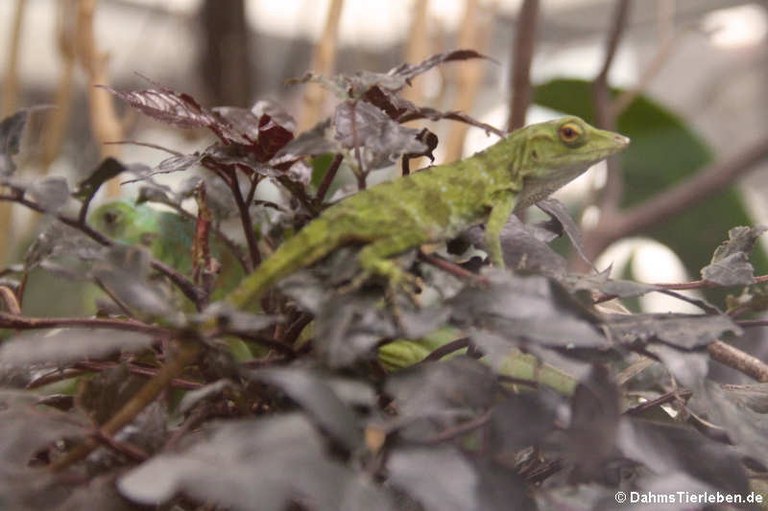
(536, 189)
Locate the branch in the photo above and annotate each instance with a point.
(739, 360)
(55, 128)
(245, 220)
(16, 322)
(105, 122)
(604, 110)
(521, 68)
(474, 32)
(11, 78)
(451, 268)
(694, 190)
(188, 351)
(323, 63)
(417, 47)
(668, 37)
(10, 100)
(325, 184)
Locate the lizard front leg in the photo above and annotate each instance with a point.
(501, 207)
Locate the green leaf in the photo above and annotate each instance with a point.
(663, 152)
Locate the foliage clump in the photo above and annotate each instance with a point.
(500, 390)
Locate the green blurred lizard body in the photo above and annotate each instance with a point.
(168, 236)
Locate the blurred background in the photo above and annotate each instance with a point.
(693, 75)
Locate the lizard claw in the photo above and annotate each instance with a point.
(398, 281)
(407, 283)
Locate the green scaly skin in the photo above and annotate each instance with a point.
(438, 203)
(168, 236)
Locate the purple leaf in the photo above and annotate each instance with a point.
(362, 124)
(179, 109)
(410, 71)
(168, 106)
(106, 170)
(11, 129)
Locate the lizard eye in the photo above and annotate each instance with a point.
(569, 133)
(111, 217)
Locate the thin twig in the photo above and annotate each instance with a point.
(325, 184)
(708, 182)
(475, 32)
(699, 284)
(188, 351)
(267, 342)
(245, 220)
(668, 39)
(222, 238)
(11, 78)
(10, 101)
(323, 62)
(669, 397)
(452, 268)
(133, 452)
(446, 349)
(57, 122)
(525, 35)
(16, 322)
(417, 46)
(604, 118)
(752, 323)
(144, 144)
(202, 266)
(739, 360)
(460, 429)
(9, 300)
(105, 122)
(89, 366)
(292, 332)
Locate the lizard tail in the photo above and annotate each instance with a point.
(305, 248)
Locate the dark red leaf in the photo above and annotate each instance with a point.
(167, 106)
(179, 109)
(272, 138)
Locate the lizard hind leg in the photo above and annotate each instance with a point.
(376, 259)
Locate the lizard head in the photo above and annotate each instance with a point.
(124, 222)
(554, 153)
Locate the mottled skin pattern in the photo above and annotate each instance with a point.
(440, 202)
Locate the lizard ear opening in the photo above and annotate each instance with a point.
(570, 134)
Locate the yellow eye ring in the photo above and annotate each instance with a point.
(569, 133)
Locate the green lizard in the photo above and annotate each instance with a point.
(440, 202)
(167, 235)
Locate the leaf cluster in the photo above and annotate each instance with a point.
(501, 390)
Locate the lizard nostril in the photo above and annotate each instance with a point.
(621, 139)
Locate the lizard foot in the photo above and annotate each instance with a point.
(398, 280)
(407, 283)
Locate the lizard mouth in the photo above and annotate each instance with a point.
(594, 155)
